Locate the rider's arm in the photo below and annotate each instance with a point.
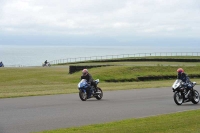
(90, 78)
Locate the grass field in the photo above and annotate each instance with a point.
(17, 82)
(182, 122)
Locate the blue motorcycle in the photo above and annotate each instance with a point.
(86, 91)
(1, 64)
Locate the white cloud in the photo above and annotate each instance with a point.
(103, 17)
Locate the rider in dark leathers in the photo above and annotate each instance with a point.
(45, 62)
(183, 76)
(86, 75)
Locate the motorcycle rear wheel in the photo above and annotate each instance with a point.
(195, 98)
(83, 95)
(178, 98)
(100, 94)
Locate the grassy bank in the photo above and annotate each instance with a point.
(133, 72)
(146, 63)
(133, 59)
(184, 122)
(17, 82)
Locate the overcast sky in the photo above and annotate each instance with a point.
(100, 22)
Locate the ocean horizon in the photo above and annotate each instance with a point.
(36, 55)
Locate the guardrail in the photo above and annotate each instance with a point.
(93, 58)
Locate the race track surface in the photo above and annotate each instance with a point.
(32, 114)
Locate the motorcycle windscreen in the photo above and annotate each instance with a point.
(82, 84)
(176, 83)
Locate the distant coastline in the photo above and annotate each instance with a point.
(36, 55)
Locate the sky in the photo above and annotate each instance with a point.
(100, 22)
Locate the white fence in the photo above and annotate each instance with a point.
(93, 58)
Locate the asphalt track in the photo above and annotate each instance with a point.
(32, 114)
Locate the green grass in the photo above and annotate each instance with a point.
(146, 63)
(170, 57)
(143, 57)
(133, 72)
(33, 81)
(124, 61)
(182, 122)
(17, 82)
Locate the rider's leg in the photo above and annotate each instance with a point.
(88, 90)
(95, 85)
(189, 88)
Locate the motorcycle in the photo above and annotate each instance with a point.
(1, 64)
(182, 94)
(47, 64)
(91, 93)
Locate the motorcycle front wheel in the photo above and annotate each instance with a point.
(83, 95)
(195, 98)
(178, 98)
(99, 94)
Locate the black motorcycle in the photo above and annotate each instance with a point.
(183, 95)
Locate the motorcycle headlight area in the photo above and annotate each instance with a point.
(83, 85)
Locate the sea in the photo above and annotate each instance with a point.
(22, 56)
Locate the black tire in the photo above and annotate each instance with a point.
(83, 96)
(178, 99)
(195, 97)
(100, 95)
